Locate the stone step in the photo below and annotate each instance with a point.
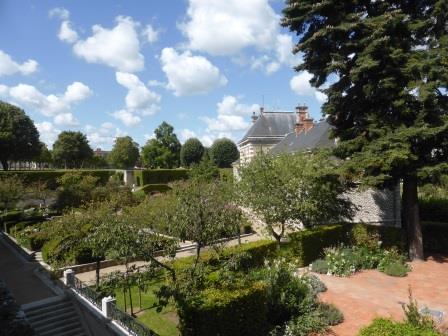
(39, 311)
(56, 325)
(51, 318)
(57, 330)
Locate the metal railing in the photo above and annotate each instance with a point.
(87, 292)
(130, 324)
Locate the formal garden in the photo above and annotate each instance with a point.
(265, 287)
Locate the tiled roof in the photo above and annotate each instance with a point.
(317, 137)
(271, 125)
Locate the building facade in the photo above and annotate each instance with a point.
(290, 132)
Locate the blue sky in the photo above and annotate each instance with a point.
(112, 68)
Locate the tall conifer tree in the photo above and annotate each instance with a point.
(387, 66)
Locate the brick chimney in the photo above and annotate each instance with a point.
(303, 120)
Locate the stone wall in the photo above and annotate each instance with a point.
(377, 206)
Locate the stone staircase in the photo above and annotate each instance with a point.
(55, 316)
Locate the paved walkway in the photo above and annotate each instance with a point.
(20, 278)
(370, 294)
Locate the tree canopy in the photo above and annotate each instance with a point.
(191, 152)
(386, 67)
(19, 138)
(162, 151)
(72, 150)
(293, 188)
(224, 152)
(125, 153)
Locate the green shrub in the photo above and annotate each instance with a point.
(319, 266)
(160, 176)
(226, 174)
(342, 261)
(308, 245)
(331, 315)
(386, 327)
(225, 313)
(393, 263)
(373, 236)
(161, 188)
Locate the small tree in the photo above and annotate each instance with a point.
(75, 189)
(19, 138)
(191, 152)
(124, 153)
(72, 150)
(300, 187)
(11, 191)
(224, 152)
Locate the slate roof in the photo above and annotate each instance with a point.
(317, 137)
(271, 125)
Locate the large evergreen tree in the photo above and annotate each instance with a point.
(386, 63)
(191, 152)
(19, 138)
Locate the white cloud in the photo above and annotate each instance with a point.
(104, 135)
(118, 47)
(77, 91)
(139, 97)
(230, 106)
(48, 133)
(127, 117)
(66, 32)
(66, 119)
(9, 67)
(300, 84)
(150, 34)
(60, 13)
(186, 134)
(57, 106)
(226, 27)
(224, 123)
(188, 74)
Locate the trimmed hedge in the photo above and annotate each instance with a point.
(434, 209)
(159, 176)
(258, 251)
(149, 188)
(226, 313)
(435, 237)
(51, 176)
(308, 245)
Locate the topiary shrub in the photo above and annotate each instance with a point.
(225, 312)
(224, 152)
(161, 176)
(191, 152)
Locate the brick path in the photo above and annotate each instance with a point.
(370, 294)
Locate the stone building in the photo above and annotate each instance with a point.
(290, 132)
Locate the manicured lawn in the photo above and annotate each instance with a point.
(164, 323)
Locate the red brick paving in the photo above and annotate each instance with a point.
(370, 294)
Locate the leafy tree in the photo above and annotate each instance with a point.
(44, 157)
(11, 192)
(19, 138)
(41, 190)
(191, 152)
(163, 151)
(75, 189)
(224, 152)
(72, 150)
(388, 101)
(206, 171)
(294, 187)
(98, 162)
(124, 153)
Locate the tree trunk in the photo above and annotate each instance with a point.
(5, 164)
(412, 218)
(97, 272)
